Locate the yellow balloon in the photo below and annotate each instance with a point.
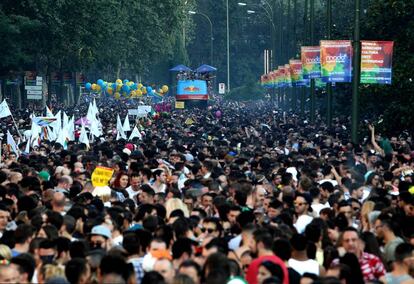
(160, 91)
(139, 93)
(117, 95)
(94, 87)
(140, 86)
(118, 87)
(165, 88)
(118, 81)
(98, 88)
(144, 91)
(110, 91)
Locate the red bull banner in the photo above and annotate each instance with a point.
(376, 62)
(192, 90)
(311, 63)
(336, 60)
(296, 72)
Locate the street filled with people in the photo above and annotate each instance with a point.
(238, 192)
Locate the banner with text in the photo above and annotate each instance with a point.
(336, 60)
(376, 62)
(311, 64)
(296, 72)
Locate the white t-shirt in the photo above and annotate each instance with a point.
(302, 222)
(318, 207)
(309, 266)
(131, 192)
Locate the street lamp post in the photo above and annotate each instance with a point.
(269, 16)
(356, 73)
(228, 46)
(211, 32)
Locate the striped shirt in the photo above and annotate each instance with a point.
(371, 266)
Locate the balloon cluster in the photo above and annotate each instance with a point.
(126, 88)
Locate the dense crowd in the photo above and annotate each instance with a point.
(235, 193)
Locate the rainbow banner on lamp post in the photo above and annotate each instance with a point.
(288, 78)
(281, 81)
(311, 63)
(336, 60)
(376, 62)
(296, 72)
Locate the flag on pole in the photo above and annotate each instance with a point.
(83, 138)
(63, 138)
(12, 143)
(126, 127)
(119, 129)
(49, 113)
(4, 109)
(94, 128)
(44, 121)
(135, 133)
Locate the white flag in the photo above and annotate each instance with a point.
(49, 112)
(71, 129)
(90, 115)
(135, 133)
(94, 128)
(95, 108)
(119, 129)
(65, 120)
(126, 126)
(4, 109)
(63, 138)
(12, 143)
(83, 138)
(28, 142)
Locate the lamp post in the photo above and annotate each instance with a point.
(329, 85)
(269, 14)
(356, 72)
(228, 46)
(211, 32)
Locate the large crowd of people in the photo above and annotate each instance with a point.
(235, 193)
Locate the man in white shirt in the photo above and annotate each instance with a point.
(135, 183)
(302, 208)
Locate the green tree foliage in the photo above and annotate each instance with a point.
(108, 37)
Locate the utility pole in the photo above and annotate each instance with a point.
(329, 85)
(305, 39)
(357, 73)
(312, 42)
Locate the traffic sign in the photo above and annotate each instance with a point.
(33, 88)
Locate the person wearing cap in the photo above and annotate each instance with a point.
(302, 204)
(100, 238)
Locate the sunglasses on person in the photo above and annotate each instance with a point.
(209, 230)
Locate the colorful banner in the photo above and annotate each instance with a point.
(296, 72)
(288, 78)
(376, 62)
(311, 64)
(282, 77)
(336, 60)
(192, 90)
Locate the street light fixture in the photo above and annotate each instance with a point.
(211, 32)
(250, 12)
